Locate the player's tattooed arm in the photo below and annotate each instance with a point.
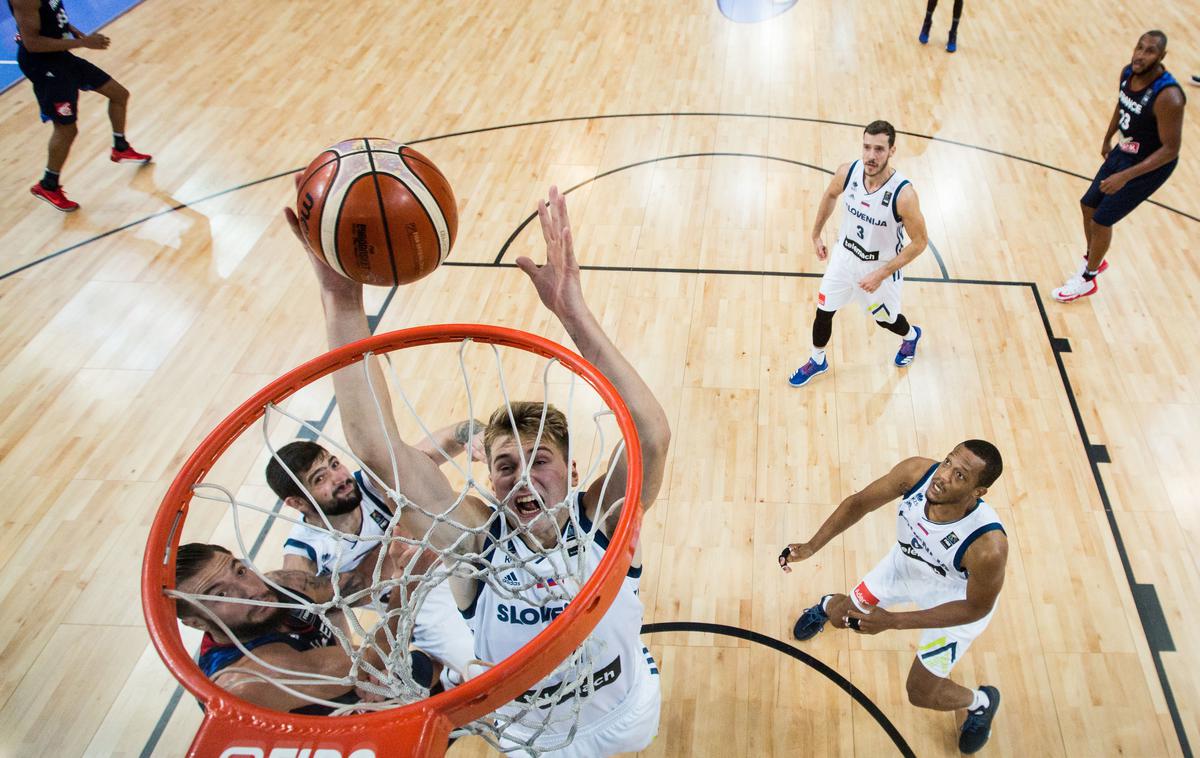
(443, 444)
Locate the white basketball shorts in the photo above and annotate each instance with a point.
(839, 287)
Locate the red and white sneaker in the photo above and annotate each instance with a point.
(1083, 267)
(129, 155)
(1075, 288)
(55, 197)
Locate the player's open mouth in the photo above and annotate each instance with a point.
(526, 505)
(345, 489)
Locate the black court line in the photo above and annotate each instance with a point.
(679, 156)
(597, 117)
(782, 647)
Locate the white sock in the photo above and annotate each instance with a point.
(912, 333)
(818, 355)
(979, 701)
(825, 602)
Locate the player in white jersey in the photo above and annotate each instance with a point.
(880, 206)
(948, 560)
(527, 479)
(330, 498)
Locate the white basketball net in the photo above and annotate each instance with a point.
(546, 717)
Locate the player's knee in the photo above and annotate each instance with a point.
(919, 693)
(66, 131)
(116, 92)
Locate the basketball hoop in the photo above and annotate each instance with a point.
(235, 728)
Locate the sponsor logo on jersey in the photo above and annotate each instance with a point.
(859, 251)
(864, 596)
(63, 109)
(820, 298)
(548, 697)
(511, 580)
(887, 197)
(949, 540)
(911, 550)
(1129, 146)
(528, 616)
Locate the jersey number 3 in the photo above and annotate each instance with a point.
(860, 232)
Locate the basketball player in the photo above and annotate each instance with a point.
(619, 712)
(284, 638)
(952, 40)
(948, 560)
(44, 40)
(1149, 115)
(331, 498)
(880, 205)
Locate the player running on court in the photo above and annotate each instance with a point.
(864, 266)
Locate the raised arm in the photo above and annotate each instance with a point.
(878, 493)
(366, 407)
(558, 285)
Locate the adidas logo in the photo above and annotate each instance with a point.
(511, 580)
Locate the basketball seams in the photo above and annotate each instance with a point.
(417, 186)
(383, 214)
(348, 174)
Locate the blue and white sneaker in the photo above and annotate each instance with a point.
(908, 349)
(807, 372)
(978, 726)
(811, 622)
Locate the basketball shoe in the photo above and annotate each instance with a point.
(128, 155)
(923, 37)
(811, 622)
(908, 349)
(55, 197)
(808, 372)
(978, 726)
(1077, 286)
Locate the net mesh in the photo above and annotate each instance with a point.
(376, 636)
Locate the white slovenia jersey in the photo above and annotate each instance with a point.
(940, 546)
(872, 230)
(535, 591)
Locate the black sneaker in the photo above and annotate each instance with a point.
(811, 622)
(978, 726)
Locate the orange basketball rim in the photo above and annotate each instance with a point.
(235, 728)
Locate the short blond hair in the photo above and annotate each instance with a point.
(526, 420)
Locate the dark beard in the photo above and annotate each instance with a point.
(341, 506)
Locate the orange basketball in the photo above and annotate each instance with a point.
(377, 211)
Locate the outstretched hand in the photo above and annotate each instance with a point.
(330, 280)
(557, 280)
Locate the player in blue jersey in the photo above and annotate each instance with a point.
(44, 40)
(948, 560)
(1148, 124)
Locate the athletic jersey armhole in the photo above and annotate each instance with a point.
(299, 547)
(850, 173)
(369, 490)
(962, 549)
(921, 482)
(896, 205)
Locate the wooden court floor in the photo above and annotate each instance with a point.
(697, 149)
